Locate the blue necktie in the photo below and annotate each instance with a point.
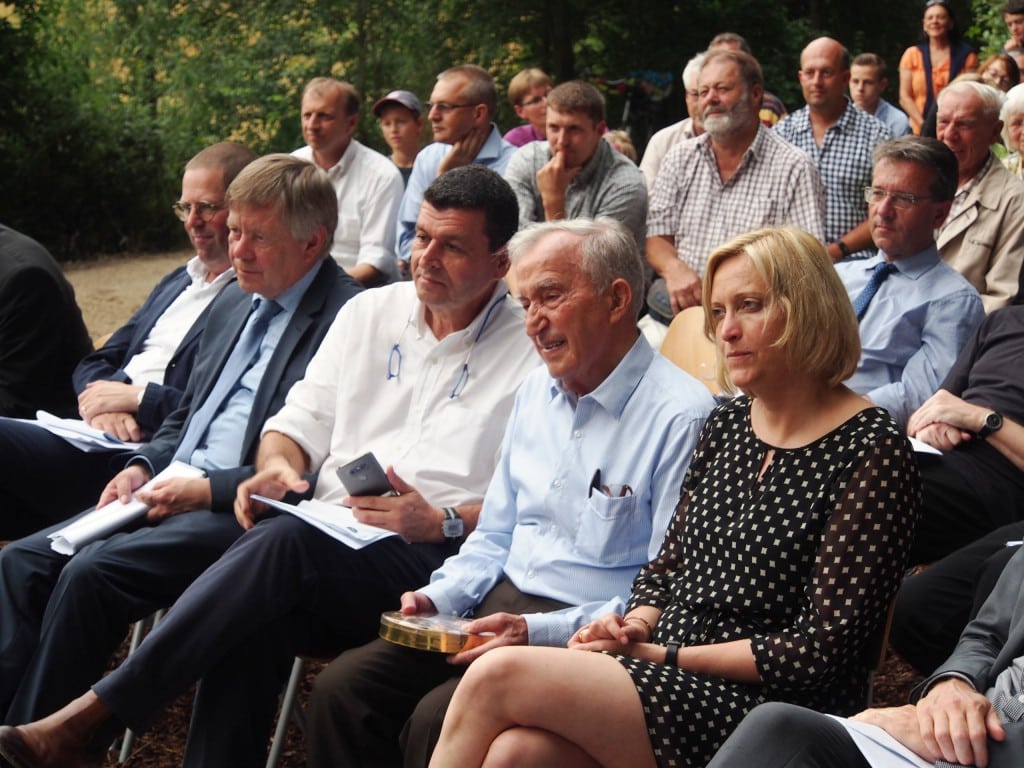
(882, 271)
(242, 357)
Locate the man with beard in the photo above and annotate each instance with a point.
(738, 176)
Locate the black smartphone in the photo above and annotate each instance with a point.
(365, 477)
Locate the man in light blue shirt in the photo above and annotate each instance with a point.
(913, 322)
(593, 457)
(461, 111)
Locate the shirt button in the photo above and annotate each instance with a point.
(1021, 698)
(557, 483)
(578, 434)
(529, 574)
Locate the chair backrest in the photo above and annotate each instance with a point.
(686, 346)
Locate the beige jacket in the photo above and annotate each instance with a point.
(985, 240)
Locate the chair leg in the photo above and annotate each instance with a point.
(138, 630)
(288, 700)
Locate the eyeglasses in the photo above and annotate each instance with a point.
(902, 201)
(204, 211)
(534, 101)
(444, 107)
(395, 355)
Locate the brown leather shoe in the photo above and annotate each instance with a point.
(13, 748)
(76, 736)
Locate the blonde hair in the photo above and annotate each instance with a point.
(820, 335)
(524, 82)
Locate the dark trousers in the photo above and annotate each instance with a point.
(62, 617)
(372, 703)
(777, 735)
(952, 515)
(934, 606)
(44, 479)
(283, 589)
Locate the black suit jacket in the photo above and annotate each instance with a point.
(42, 335)
(107, 363)
(330, 289)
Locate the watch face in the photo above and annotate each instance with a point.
(993, 421)
(452, 529)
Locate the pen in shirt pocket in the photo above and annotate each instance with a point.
(611, 490)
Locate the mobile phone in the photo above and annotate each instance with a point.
(364, 476)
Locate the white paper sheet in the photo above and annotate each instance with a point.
(80, 434)
(880, 749)
(336, 521)
(107, 519)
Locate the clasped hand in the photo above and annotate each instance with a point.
(611, 633)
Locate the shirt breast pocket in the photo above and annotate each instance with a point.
(612, 531)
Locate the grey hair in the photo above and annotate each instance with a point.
(692, 71)
(991, 98)
(928, 153)
(1013, 105)
(607, 252)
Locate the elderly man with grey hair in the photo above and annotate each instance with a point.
(687, 128)
(983, 236)
(588, 479)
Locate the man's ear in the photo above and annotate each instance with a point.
(621, 296)
(501, 261)
(480, 115)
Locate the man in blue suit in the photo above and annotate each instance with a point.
(61, 617)
(134, 381)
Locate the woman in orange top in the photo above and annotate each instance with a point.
(926, 68)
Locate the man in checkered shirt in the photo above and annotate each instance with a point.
(736, 177)
(839, 138)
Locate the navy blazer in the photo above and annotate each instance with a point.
(107, 363)
(330, 289)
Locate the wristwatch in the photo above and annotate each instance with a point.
(452, 526)
(843, 249)
(993, 423)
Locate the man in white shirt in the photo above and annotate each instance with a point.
(369, 186)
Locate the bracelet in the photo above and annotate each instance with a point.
(642, 620)
(671, 653)
(843, 249)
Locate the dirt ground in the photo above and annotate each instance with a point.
(109, 291)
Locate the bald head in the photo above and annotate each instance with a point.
(824, 76)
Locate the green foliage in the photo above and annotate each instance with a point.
(105, 100)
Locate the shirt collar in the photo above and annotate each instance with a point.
(614, 392)
(290, 297)
(911, 266)
(197, 272)
(419, 316)
(598, 163)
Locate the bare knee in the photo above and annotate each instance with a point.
(509, 750)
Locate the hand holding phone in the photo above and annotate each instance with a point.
(364, 476)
